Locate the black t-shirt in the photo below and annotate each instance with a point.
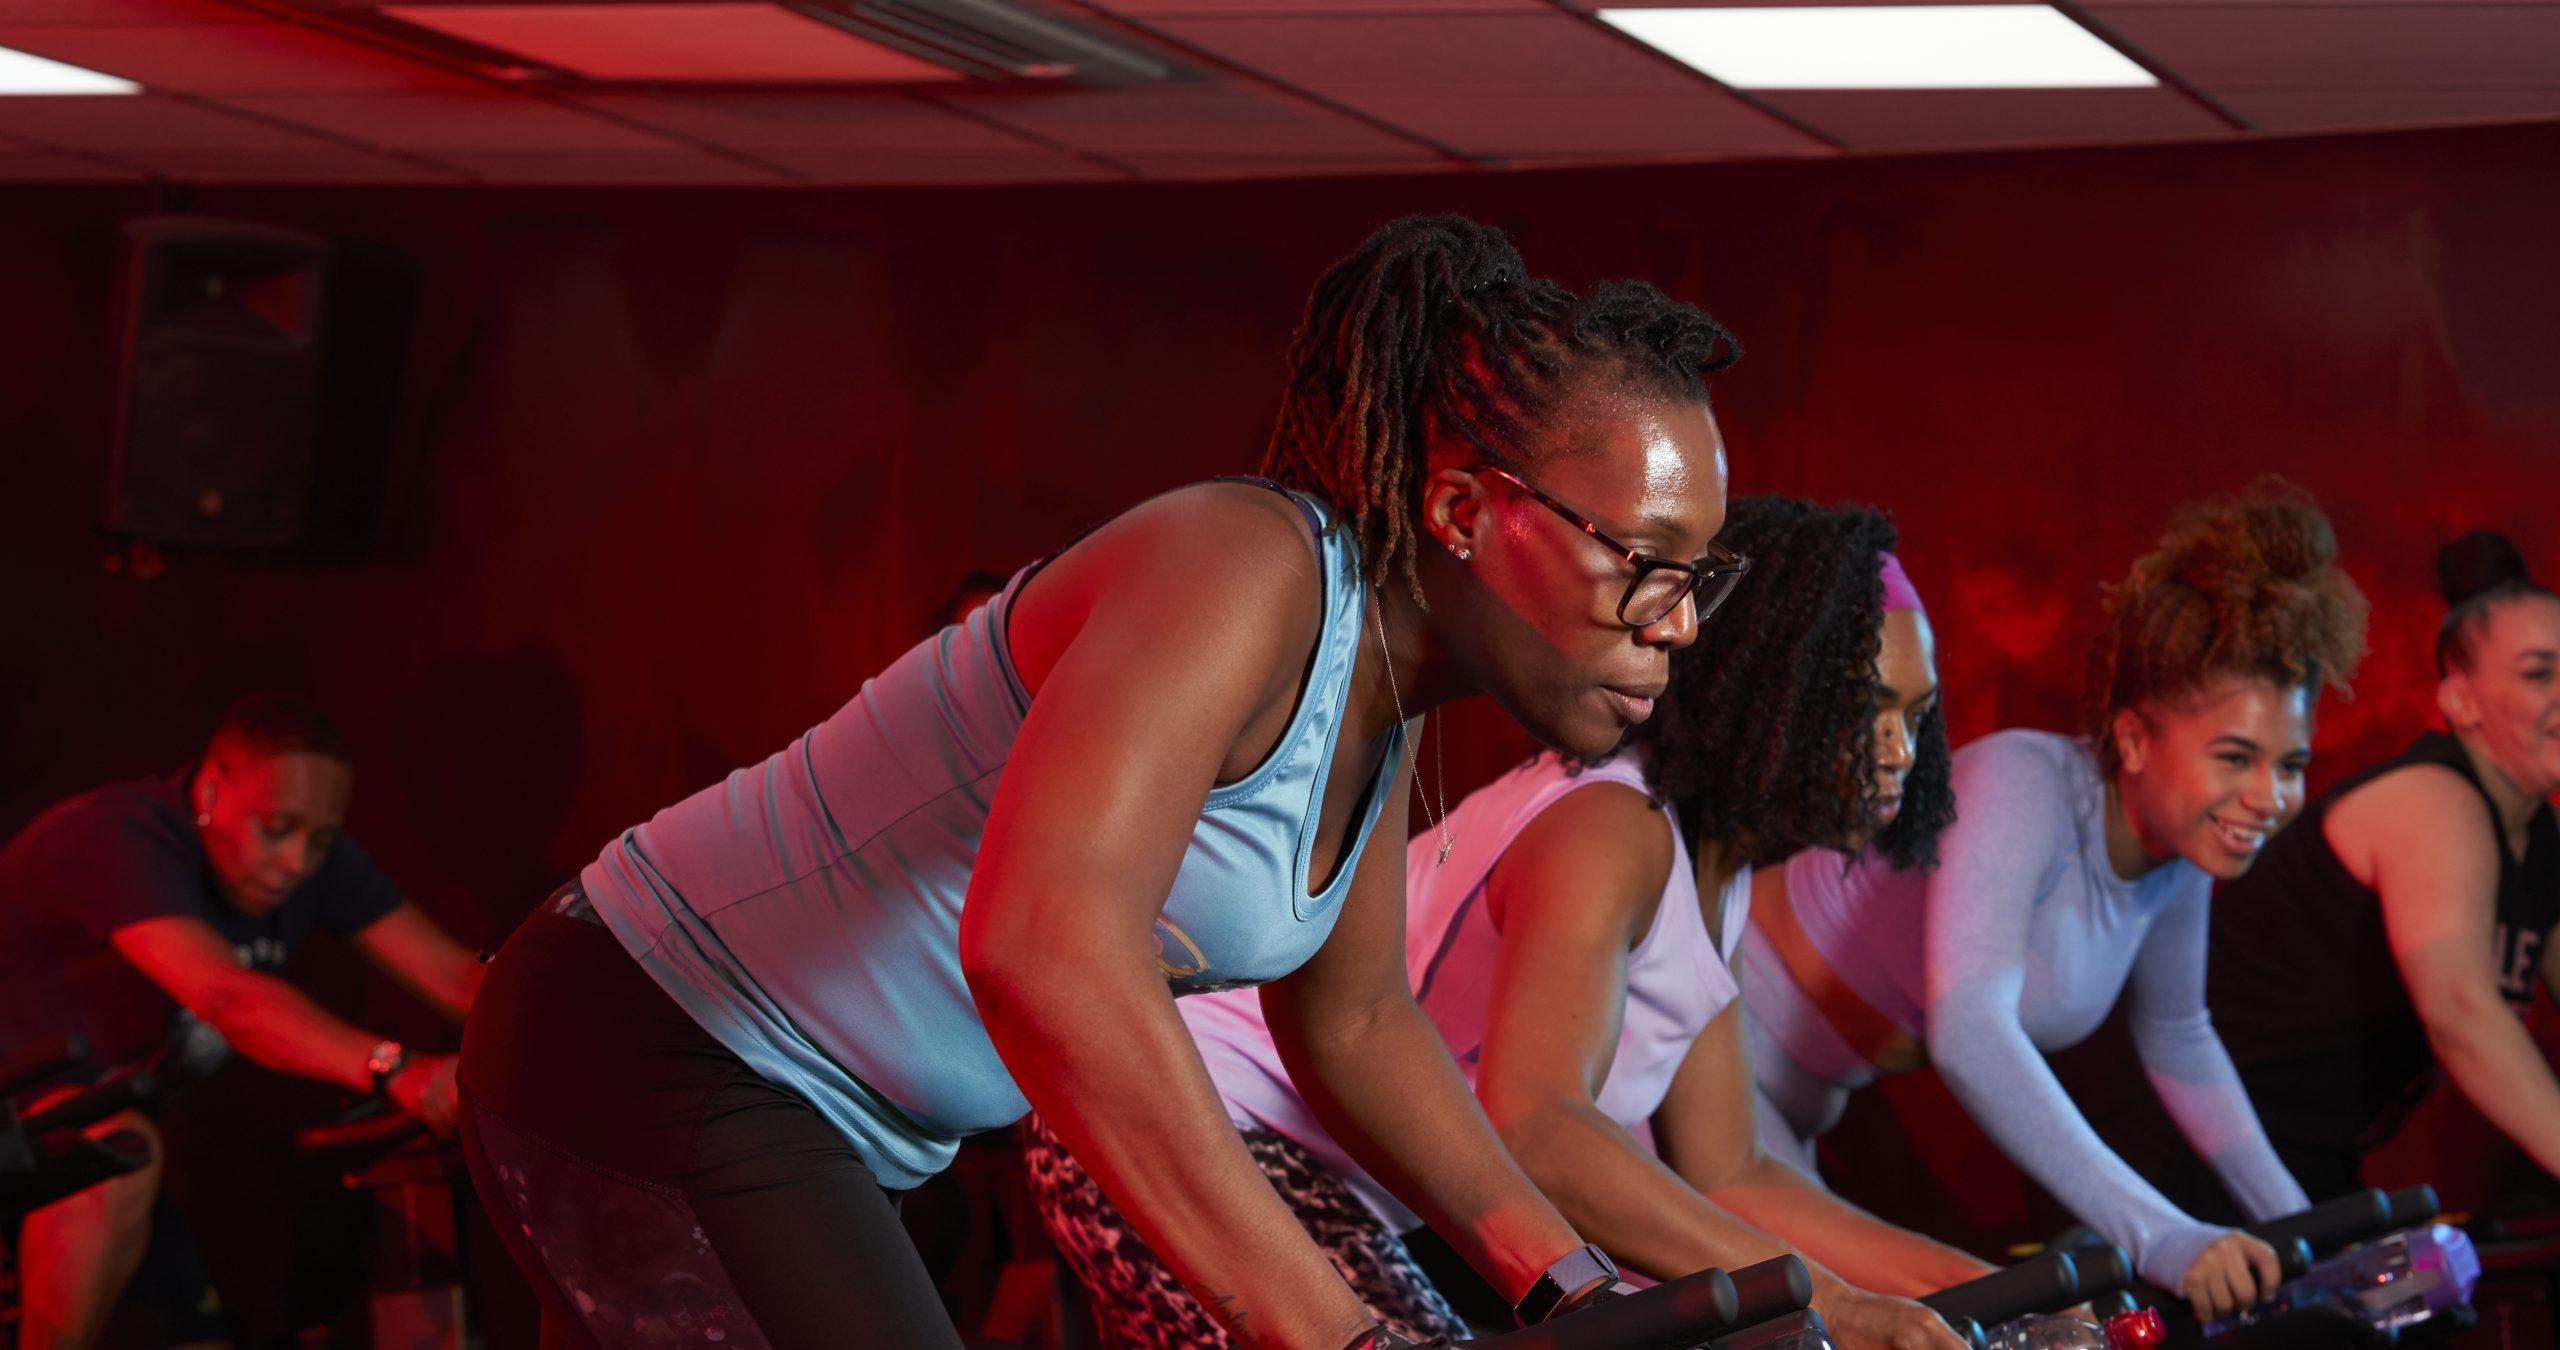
(2302, 983)
(117, 855)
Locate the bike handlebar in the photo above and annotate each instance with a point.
(27, 1066)
(2040, 1284)
(1688, 1311)
(2332, 1224)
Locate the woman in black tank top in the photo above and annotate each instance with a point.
(2400, 923)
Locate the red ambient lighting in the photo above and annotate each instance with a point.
(677, 43)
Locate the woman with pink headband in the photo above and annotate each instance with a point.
(2078, 870)
(1572, 932)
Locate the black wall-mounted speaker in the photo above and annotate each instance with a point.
(220, 345)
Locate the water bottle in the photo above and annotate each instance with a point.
(2140, 1329)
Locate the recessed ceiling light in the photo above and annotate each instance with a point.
(1886, 47)
(724, 43)
(24, 73)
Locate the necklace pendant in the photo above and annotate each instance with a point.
(1445, 846)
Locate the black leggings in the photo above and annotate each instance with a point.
(656, 1190)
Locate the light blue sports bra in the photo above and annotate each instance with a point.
(806, 911)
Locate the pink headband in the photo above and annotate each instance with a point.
(1898, 591)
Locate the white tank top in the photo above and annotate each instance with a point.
(1678, 978)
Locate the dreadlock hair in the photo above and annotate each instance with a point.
(2246, 585)
(1435, 326)
(1766, 736)
(269, 723)
(2475, 573)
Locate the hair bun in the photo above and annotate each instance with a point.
(2271, 533)
(2478, 561)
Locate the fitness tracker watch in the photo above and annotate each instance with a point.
(385, 1063)
(1562, 1281)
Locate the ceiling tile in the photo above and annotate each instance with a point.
(1945, 119)
(1478, 53)
(844, 121)
(2438, 46)
(109, 13)
(872, 170)
(1190, 119)
(675, 166)
(2367, 109)
(436, 122)
(18, 165)
(321, 164)
(231, 58)
(1173, 167)
(144, 123)
(1699, 123)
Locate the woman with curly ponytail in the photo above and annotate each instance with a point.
(1150, 766)
(2077, 868)
(2402, 922)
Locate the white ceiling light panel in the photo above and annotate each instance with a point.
(22, 73)
(1885, 47)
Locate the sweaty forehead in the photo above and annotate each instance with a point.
(1642, 464)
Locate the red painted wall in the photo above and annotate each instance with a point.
(676, 471)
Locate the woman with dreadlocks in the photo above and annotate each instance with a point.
(2076, 867)
(1575, 954)
(698, 1078)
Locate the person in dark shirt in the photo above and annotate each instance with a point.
(156, 916)
(2401, 923)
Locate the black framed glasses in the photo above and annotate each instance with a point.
(1660, 583)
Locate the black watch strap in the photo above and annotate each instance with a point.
(1561, 1281)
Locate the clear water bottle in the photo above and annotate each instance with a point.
(2140, 1329)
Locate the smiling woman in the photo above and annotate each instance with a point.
(2074, 870)
(2402, 922)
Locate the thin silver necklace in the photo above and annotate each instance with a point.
(1439, 816)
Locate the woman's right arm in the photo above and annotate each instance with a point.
(2418, 837)
(1105, 782)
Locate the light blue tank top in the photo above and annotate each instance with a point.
(807, 910)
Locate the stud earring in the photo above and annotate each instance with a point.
(1462, 553)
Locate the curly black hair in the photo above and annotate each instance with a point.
(1436, 324)
(1771, 714)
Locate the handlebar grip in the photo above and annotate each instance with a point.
(2331, 1224)
(2293, 1258)
(1798, 1330)
(2041, 1284)
(2103, 1270)
(1688, 1311)
(1773, 1288)
(2411, 1205)
(29, 1065)
(118, 1091)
